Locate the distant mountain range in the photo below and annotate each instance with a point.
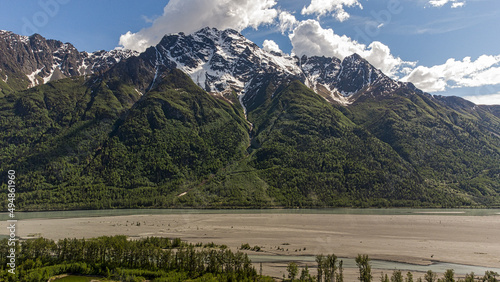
(212, 120)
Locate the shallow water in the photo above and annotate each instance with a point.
(118, 212)
(482, 214)
(439, 267)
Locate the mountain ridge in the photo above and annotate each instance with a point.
(33, 60)
(211, 120)
(216, 52)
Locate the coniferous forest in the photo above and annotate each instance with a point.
(82, 145)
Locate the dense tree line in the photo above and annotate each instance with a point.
(163, 259)
(119, 258)
(330, 269)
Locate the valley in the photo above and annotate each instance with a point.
(145, 130)
(263, 140)
(414, 240)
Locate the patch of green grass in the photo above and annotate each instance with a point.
(74, 278)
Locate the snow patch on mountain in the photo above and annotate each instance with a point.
(217, 60)
(222, 60)
(43, 60)
(32, 77)
(225, 60)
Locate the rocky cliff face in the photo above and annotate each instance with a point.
(223, 61)
(28, 61)
(219, 61)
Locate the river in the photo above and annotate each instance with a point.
(466, 240)
(347, 211)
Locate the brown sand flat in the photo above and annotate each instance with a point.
(417, 239)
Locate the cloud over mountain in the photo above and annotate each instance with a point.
(190, 15)
(493, 99)
(271, 46)
(310, 39)
(453, 74)
(287, 22)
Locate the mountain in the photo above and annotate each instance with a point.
(217, 61)
(211, 120)
(221, 61)
(28, 61)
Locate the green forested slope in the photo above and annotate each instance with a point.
(453, 144)
(314, 155)
(307, 153)
(80, 146)
(100, 144)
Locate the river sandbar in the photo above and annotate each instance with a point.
(416, 239)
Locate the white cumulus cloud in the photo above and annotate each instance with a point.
(287, 22)
(310, 39)
(457, 4)
(426, 79)
(441, 3)
(454, 74)
(492, 99)
(335, 7)
(270, 45)
(379, 55)
(191, 15)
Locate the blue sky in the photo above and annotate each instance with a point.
(445, 47)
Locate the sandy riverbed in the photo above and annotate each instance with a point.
(417, 239)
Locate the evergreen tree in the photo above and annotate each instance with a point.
(409, 277)
(469, 277)
(320, 262)
(340, 275)
(305, 275)
(397, 276)
(490, 276)
(430, 276)
(363, 263)
(292, 270)
(449, 276)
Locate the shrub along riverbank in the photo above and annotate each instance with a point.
(161, 259)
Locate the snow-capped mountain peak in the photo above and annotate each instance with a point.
(219, 61)
(42, 60)
(224, 60)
